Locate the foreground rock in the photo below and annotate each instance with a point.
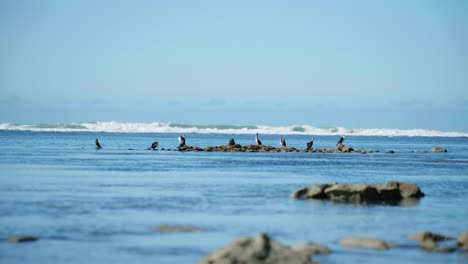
(462, 241)
(429, 241)
(265, 148)
(177, 229)
(263, 250)
(365, 242)
(389, 193)
(437, 149)
(21, 239)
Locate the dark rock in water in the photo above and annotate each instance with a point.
(390, 152)
(437, 149)
(347, 149)
(177, 229)
(21, 239)
(389, 193)
(431, 245)
(431, 236)
(231, 142)
(462, 241)
(409, 190)
(311, 192)
(311, 249)
(365, 242)
(428, 241)
(257, 250)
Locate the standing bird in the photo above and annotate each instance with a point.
(98, 146)
(340, 141)
(154, 145)
(231, 142)
(310, 144)
(259, 142)
(283, 142)
(181, 141)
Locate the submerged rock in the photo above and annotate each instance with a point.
(365, 242)
(260, 250)
(437, 149)
(389, 193)
(21, 239)
(429, 235)
(177, 229)
(462, 241)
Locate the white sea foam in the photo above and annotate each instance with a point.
(156, 127)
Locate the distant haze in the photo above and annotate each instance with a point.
(357, 64)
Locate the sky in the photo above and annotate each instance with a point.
(362, 64)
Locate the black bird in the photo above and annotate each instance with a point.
(310, 144)
(154, 145)
(98, 146)
(283, 142)
(259, 142)
(181, 141)
(232, 142)
(340, 141)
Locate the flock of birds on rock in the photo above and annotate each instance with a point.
(231, 142)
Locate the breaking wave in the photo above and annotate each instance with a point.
(156, 127)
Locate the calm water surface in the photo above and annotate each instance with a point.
(91, 206)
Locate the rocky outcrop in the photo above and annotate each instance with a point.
(389, 193)
(365, 242)
(266, 148)
(177, 229)
(437, 149)
(429, 241)
(21, 239)
(462, 241)
(262, 250)
(429, 235)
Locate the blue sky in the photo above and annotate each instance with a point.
(368, 64)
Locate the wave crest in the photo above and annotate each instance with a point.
(156, 127)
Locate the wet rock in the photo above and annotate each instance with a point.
(21, 239)
(311, 192)
(390, 152)
(347, 149)
(462, 241)
(311, 249)
(392, 192)
(409, 190)
(177, 229)
(437, 149)
(365, 242)
(429, 235)
(354, 193)
(431, 245)
(257, 250)
(339, 147)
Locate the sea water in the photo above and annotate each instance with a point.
(101, 206)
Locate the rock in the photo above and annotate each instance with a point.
(311, 192)
(339, 147)
(177, 229)
(257, 250)
(21, 239)
(437, 149)
(431, 245)
(347, 149)
(390, 152)
(462, 241)
(364, 242)
(311, 249)
(409, 190)
(429, 235)
(393, 193)
(354, 193)
(423, 151)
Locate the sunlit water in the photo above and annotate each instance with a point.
(90, 206)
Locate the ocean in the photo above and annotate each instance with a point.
(101, 206)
